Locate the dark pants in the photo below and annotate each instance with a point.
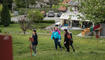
(57, 43)
(69, 44)
(34, 48)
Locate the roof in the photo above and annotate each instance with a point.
(43, 12)
(62, 8)
(66, 1)
(64, 16)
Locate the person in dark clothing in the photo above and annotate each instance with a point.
(34, 42)
(68, 40)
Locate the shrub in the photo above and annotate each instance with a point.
(35, 16)
(22, 11)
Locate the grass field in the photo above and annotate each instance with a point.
(86, 48)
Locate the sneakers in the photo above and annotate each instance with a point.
(33, 54)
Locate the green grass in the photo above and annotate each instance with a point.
(86, 48)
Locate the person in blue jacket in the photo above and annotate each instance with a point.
(57, 38)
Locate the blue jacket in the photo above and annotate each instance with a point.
(56, 35)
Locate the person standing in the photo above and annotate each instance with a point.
(68, 40)
(57, 38)
(34, 42)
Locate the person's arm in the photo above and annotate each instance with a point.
(64, 38)
(36, 37)
(71, 36)
(52, 36)
(59, 37)
(32, 39)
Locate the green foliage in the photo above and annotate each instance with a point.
(10, 4)
(5, 14)
(22, 11)
(21, 3)
(41, 25)
(0, 12)
(48, 21)
(35, 16)
(1, 7)
(93, 10)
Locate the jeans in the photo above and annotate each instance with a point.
(57, 43)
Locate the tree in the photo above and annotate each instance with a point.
(35, 16)
(0, 12)
(93, 10)
(5, 14)
(9, 2)
(25, 24)
(21, 3)
(53, 2)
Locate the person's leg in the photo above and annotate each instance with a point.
(71, 44)
(34, 48)
(55, 41)
(67, 47)
(58, 43)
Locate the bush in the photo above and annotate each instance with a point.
(35, 16)
(41, 25)
(22, 11)
(46, 21)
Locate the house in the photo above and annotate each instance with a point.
(73, 20)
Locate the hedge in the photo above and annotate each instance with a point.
(46, 21)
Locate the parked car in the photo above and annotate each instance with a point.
(59, 14)
(51, 14)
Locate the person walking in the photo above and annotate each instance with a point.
(68, 40)
(57, 38)
(34, 42)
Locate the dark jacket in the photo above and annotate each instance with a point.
(66, 39)
(35, 37)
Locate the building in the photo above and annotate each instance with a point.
(73, 20)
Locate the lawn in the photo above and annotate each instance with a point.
(86, 48)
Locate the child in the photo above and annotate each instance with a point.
(57, 38)
(34, 42)
(68, 41)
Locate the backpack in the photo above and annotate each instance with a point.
(69, 36)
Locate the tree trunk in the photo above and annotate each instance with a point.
(103, 29)
(24, 32)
